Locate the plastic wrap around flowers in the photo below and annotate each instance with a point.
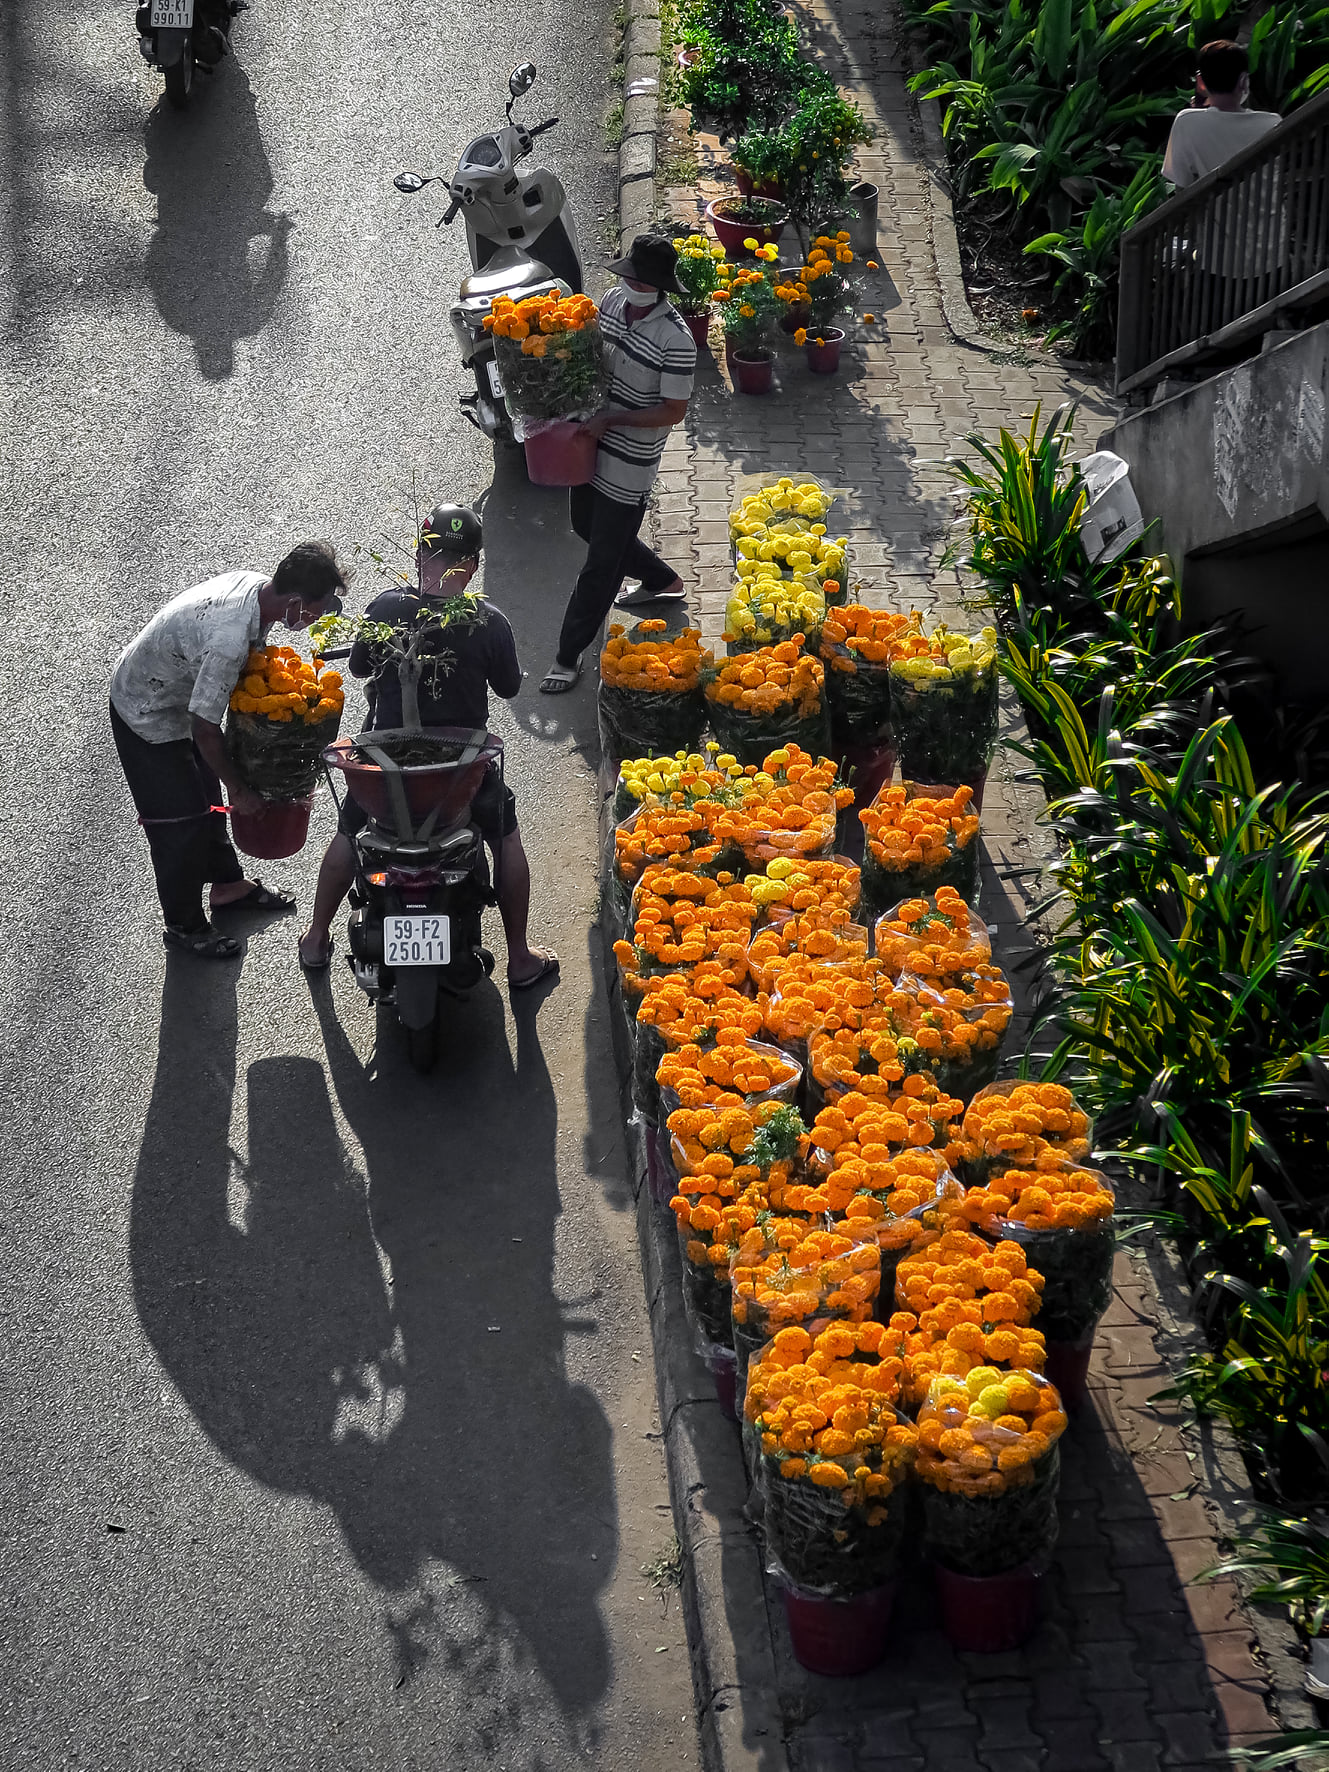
(944, 703)
(660, 777)
(789, 888)
(917, 1115)
(1023, 1125)
(772, 697)
(732, 1065)
(678, 1010)
(985, 1432)
(790, 810)
(778, 499)
(975, 1304)
(1062, 1218)
(680, 918)
(856, 646)
(932, 935)
(650, 687)
(763, 611)
(919, 839)
(550, 354)
(723, 1150)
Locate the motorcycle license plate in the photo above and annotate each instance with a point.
(172, 15)
(495, 380)
(417, 941)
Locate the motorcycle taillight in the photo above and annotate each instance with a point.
(407, 880)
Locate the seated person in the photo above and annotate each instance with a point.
(482, 655)
(1217, 125)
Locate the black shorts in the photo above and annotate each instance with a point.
(493, 811)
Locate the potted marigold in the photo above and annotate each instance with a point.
(829, 293)
(551, 361)
(650, 688)
(749, 314)
(284, 710)
(701, 269)
(944, 705)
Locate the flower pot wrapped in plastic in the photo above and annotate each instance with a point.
(975, 1304)
(784, 1271)
(763, 611)
(550, 355)
(944, 704)
(283, 712)
(766, 699)
(988, 1463)
(707, 1232)
(931, 936)
(835, 1456)
(856, 646)
(678, 919)
(657, 777)
(919, 839)
(828, 968)
(1061, 1216)
(788, 812)
(650, 688)
(905, 1200)
(778, 500)
(813, 938)
(956, 1025)
(681, 1009)
(789, 888)
(913, 1114)
(731, 1066)
(1022, 1125)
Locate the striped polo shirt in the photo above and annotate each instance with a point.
(650, 361)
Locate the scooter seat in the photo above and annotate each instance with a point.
(508, 273)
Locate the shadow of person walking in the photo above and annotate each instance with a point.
(395, 1352)
(218, 259)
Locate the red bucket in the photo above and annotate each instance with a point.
(1068, 1368)
(280, 829)
(839, 1637)
(560, 453)
(867, 768)
(988, 1613)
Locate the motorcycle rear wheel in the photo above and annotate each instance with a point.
(180, 79)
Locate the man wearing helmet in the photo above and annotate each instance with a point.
(481, 655)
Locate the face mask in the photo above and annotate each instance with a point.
(640, 298)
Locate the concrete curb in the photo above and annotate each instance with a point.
(724, 1594)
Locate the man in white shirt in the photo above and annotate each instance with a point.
(169, 696)
(1218, 125)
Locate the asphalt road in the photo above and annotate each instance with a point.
(328, 1433)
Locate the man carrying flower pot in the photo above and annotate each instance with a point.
(169, 696)
(652, 358)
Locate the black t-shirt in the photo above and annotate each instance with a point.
(482, 655)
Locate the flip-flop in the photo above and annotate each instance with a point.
(558, 679)
(548, 968)
(259, 898)
(316, 965)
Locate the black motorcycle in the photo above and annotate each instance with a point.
(183, 37)
(421, 872)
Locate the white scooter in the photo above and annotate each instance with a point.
(521, 240)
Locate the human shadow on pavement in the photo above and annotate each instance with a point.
(218, 260)
(390, 1346)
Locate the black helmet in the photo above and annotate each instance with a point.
(454, 530)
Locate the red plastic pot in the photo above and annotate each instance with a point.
(988, 1613)
(795, 315)
(560, 453)
(1068, 1368)
(839, 1637)
(699, 325)
(752, 375)
(280, 829)
(732, 234)
(824, 356)
(447, 787)
(872, 766)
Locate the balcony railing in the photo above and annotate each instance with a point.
(1220, 262)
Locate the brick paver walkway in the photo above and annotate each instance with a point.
(1130, 1669)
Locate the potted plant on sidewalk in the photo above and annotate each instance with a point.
(747, 69)
(740, 220)
(701, 269)
(750, 312)
(824, 291)
(761, 160)
(821, 134)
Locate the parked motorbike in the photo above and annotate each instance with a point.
(421, 873)
(521, 239)
(182, 37)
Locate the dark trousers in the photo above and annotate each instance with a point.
(613, 553)
(173, 789)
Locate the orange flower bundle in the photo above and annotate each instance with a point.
(1066, 1198)
(686, 1006)
(871, 1059)
(984, 1434)
(709, 1229)
(727, 1148)
(793, 811)
(1023, 1126)
(974, 1305)
(680, 919)
(932, 936)
(653, 659)
(784, 1272)
(734, 1067)
(803, 944)
(855, 634)
(549, 354)
(774, 679)
(789, 888)
(918, 1114)
(905, 1201)
(537, 319)
(922, 832)
(816, 985)
(278, 685)
(661, 831)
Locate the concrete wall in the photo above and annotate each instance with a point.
(1236, 470)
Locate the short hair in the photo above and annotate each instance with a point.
(1221, 65)
(310, 572)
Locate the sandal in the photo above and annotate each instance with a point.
(558, 679)
(206, 943)
(548, 968)
(324, 960)
(259, 898)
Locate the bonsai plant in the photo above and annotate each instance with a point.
(822, 133)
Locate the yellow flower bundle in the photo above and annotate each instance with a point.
(983, 1434)
(779, 499)
(932, 936)
(763, 610)
(661, 777)
(905, 833)
(784, 1272)
(659, 662)
(774, 678)
(943, 656)
(279, 685)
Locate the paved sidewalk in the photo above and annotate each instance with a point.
(1130, 1670)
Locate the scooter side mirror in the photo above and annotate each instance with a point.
(410, 182)
(522, 79)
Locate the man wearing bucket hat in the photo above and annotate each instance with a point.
(169, 695)
(652, 358)
(480, 654)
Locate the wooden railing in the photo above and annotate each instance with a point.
(1221, 261)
